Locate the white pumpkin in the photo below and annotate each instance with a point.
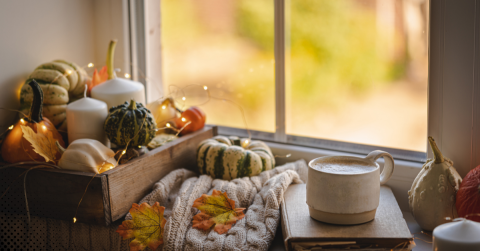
(87, 155)
(432, 196)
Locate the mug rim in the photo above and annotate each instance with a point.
(343, 174)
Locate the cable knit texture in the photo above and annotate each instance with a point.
(177, 191)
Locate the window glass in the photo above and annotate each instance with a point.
(228, 46)
(357, 71)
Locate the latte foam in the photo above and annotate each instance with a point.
(347, 167)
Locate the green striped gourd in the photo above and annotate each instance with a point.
(61, 82)
(230, 158)
(130, 123)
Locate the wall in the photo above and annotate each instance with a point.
(33, 32)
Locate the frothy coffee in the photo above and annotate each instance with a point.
(345, 167)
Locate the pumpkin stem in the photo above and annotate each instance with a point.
(438, 156)
(37, 104)
(133, 105)
(110, 54)
(60, 147)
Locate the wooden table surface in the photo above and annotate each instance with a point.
(415, 229)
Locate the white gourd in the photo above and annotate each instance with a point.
(432, 196)
(87, 155)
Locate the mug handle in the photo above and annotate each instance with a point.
(388, 167)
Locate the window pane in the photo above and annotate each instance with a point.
(357, 71)
(226, 45)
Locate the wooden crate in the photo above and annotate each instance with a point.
(56, 193)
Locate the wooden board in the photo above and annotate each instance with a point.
(55, 193)
(387, 230)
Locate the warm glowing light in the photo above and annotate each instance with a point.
(205, 87)
(124, 151)
(245, 143)
(139, 146)
(10, 127)
(163, 107)
(44, 127)
(183, 119)
(183, 98)
(168, 125)
(22, 121)
(74, 219)
(69, 72)
(90, 65)
(127, 75)
(288, 155)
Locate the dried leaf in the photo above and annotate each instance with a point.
(216, 209)
(146, 226)
(42, 143)
(98, 78)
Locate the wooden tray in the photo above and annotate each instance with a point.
(56, 193)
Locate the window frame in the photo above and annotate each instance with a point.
(453, 92)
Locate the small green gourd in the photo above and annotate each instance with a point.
(130, 124)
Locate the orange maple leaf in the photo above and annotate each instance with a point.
(97, 78)
(147, 226)
(216, 209)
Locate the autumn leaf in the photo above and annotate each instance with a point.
(216, 209)
(146, 226)
(42, 143)
(97, 78)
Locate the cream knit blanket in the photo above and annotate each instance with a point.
(261, 195)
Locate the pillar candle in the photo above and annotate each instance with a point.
(118, 90)
(85, 119)
(459, 235)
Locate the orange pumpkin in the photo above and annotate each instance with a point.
(15, 147)
(194, 115)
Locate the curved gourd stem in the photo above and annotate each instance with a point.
(60, 148)
(110, 54)
(37, 104)
(438, 156)
(133, 105)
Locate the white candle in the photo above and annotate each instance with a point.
(461, 235)
(118, 90)
(85, 119)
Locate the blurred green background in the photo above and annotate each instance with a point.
(345, 58)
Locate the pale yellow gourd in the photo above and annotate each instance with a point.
(87, 155)
(432, 196)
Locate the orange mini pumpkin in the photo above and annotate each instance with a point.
(15, 147)
(194, 115)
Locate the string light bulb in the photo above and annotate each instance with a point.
(124, 151)
(69, 72)
(74, 219)
(183, 98)
(164, 107)
(127, 75)
(10, 127)
(44, 127)
(205, 87)
(168, 125)
(183, 119)
(139, 146)
(90, 65)
(22, 121)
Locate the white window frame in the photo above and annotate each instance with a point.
(453, 94)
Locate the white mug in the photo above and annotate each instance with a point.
(338, 194)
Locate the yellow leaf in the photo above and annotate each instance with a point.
(42, 143)
(146, 226)
(216, 209)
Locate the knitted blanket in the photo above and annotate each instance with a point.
(261, 195)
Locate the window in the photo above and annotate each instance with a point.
(453, 92)
(343, 59)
